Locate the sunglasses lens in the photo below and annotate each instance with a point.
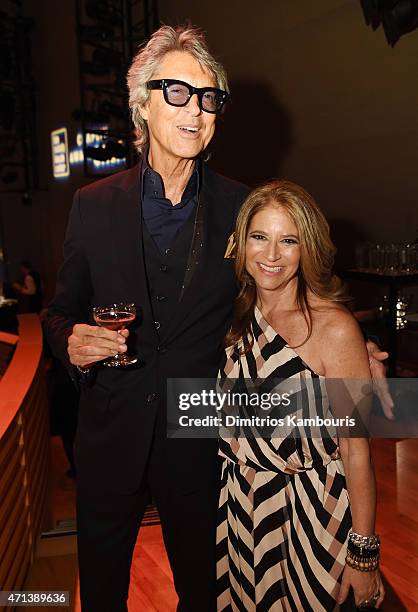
(177, 94)
(212, 101)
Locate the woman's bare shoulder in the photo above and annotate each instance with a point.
(340, 341)
(334, 321)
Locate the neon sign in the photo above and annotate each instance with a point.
(95, 166)
(59, 146)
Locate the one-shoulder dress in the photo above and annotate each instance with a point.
(284, 513)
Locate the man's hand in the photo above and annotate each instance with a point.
(380, 383)
(91, 343)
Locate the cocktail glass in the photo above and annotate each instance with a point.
(116, 317)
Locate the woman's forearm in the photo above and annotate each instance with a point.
(361, 484)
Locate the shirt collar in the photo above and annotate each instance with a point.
(153, 187)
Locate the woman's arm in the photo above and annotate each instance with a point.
(346, 363)
(345, 358)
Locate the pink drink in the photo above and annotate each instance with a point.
(114, 320)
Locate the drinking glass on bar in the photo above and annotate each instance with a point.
(377, 258)
(411, 258)
(116, 317)
(392, 258)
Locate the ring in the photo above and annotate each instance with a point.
(369, 602)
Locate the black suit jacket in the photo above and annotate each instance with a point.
(122, 411)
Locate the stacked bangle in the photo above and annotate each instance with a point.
(363, 552)
(361, 563)
(372, 541)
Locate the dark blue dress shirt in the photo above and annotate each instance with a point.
(162, 219)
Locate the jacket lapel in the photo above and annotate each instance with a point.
(126, 218)
(217, 225)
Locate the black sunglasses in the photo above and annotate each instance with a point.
(178, 93)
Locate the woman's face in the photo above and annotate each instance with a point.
(272, 250)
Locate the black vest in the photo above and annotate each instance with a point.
(166, 271)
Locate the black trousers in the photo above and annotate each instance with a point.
(108, 525)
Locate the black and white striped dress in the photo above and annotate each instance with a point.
(284, 513)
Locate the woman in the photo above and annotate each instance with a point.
(285, 516)
(29, 290)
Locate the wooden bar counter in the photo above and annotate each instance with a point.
(24, 453)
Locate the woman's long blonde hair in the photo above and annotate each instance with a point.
(316, 255)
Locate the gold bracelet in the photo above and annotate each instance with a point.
(362, 564)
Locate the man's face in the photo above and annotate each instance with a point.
(178, 132)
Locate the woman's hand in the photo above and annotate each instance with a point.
(366, 586)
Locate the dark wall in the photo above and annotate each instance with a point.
(317, 97)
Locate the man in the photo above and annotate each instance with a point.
(155, 235)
